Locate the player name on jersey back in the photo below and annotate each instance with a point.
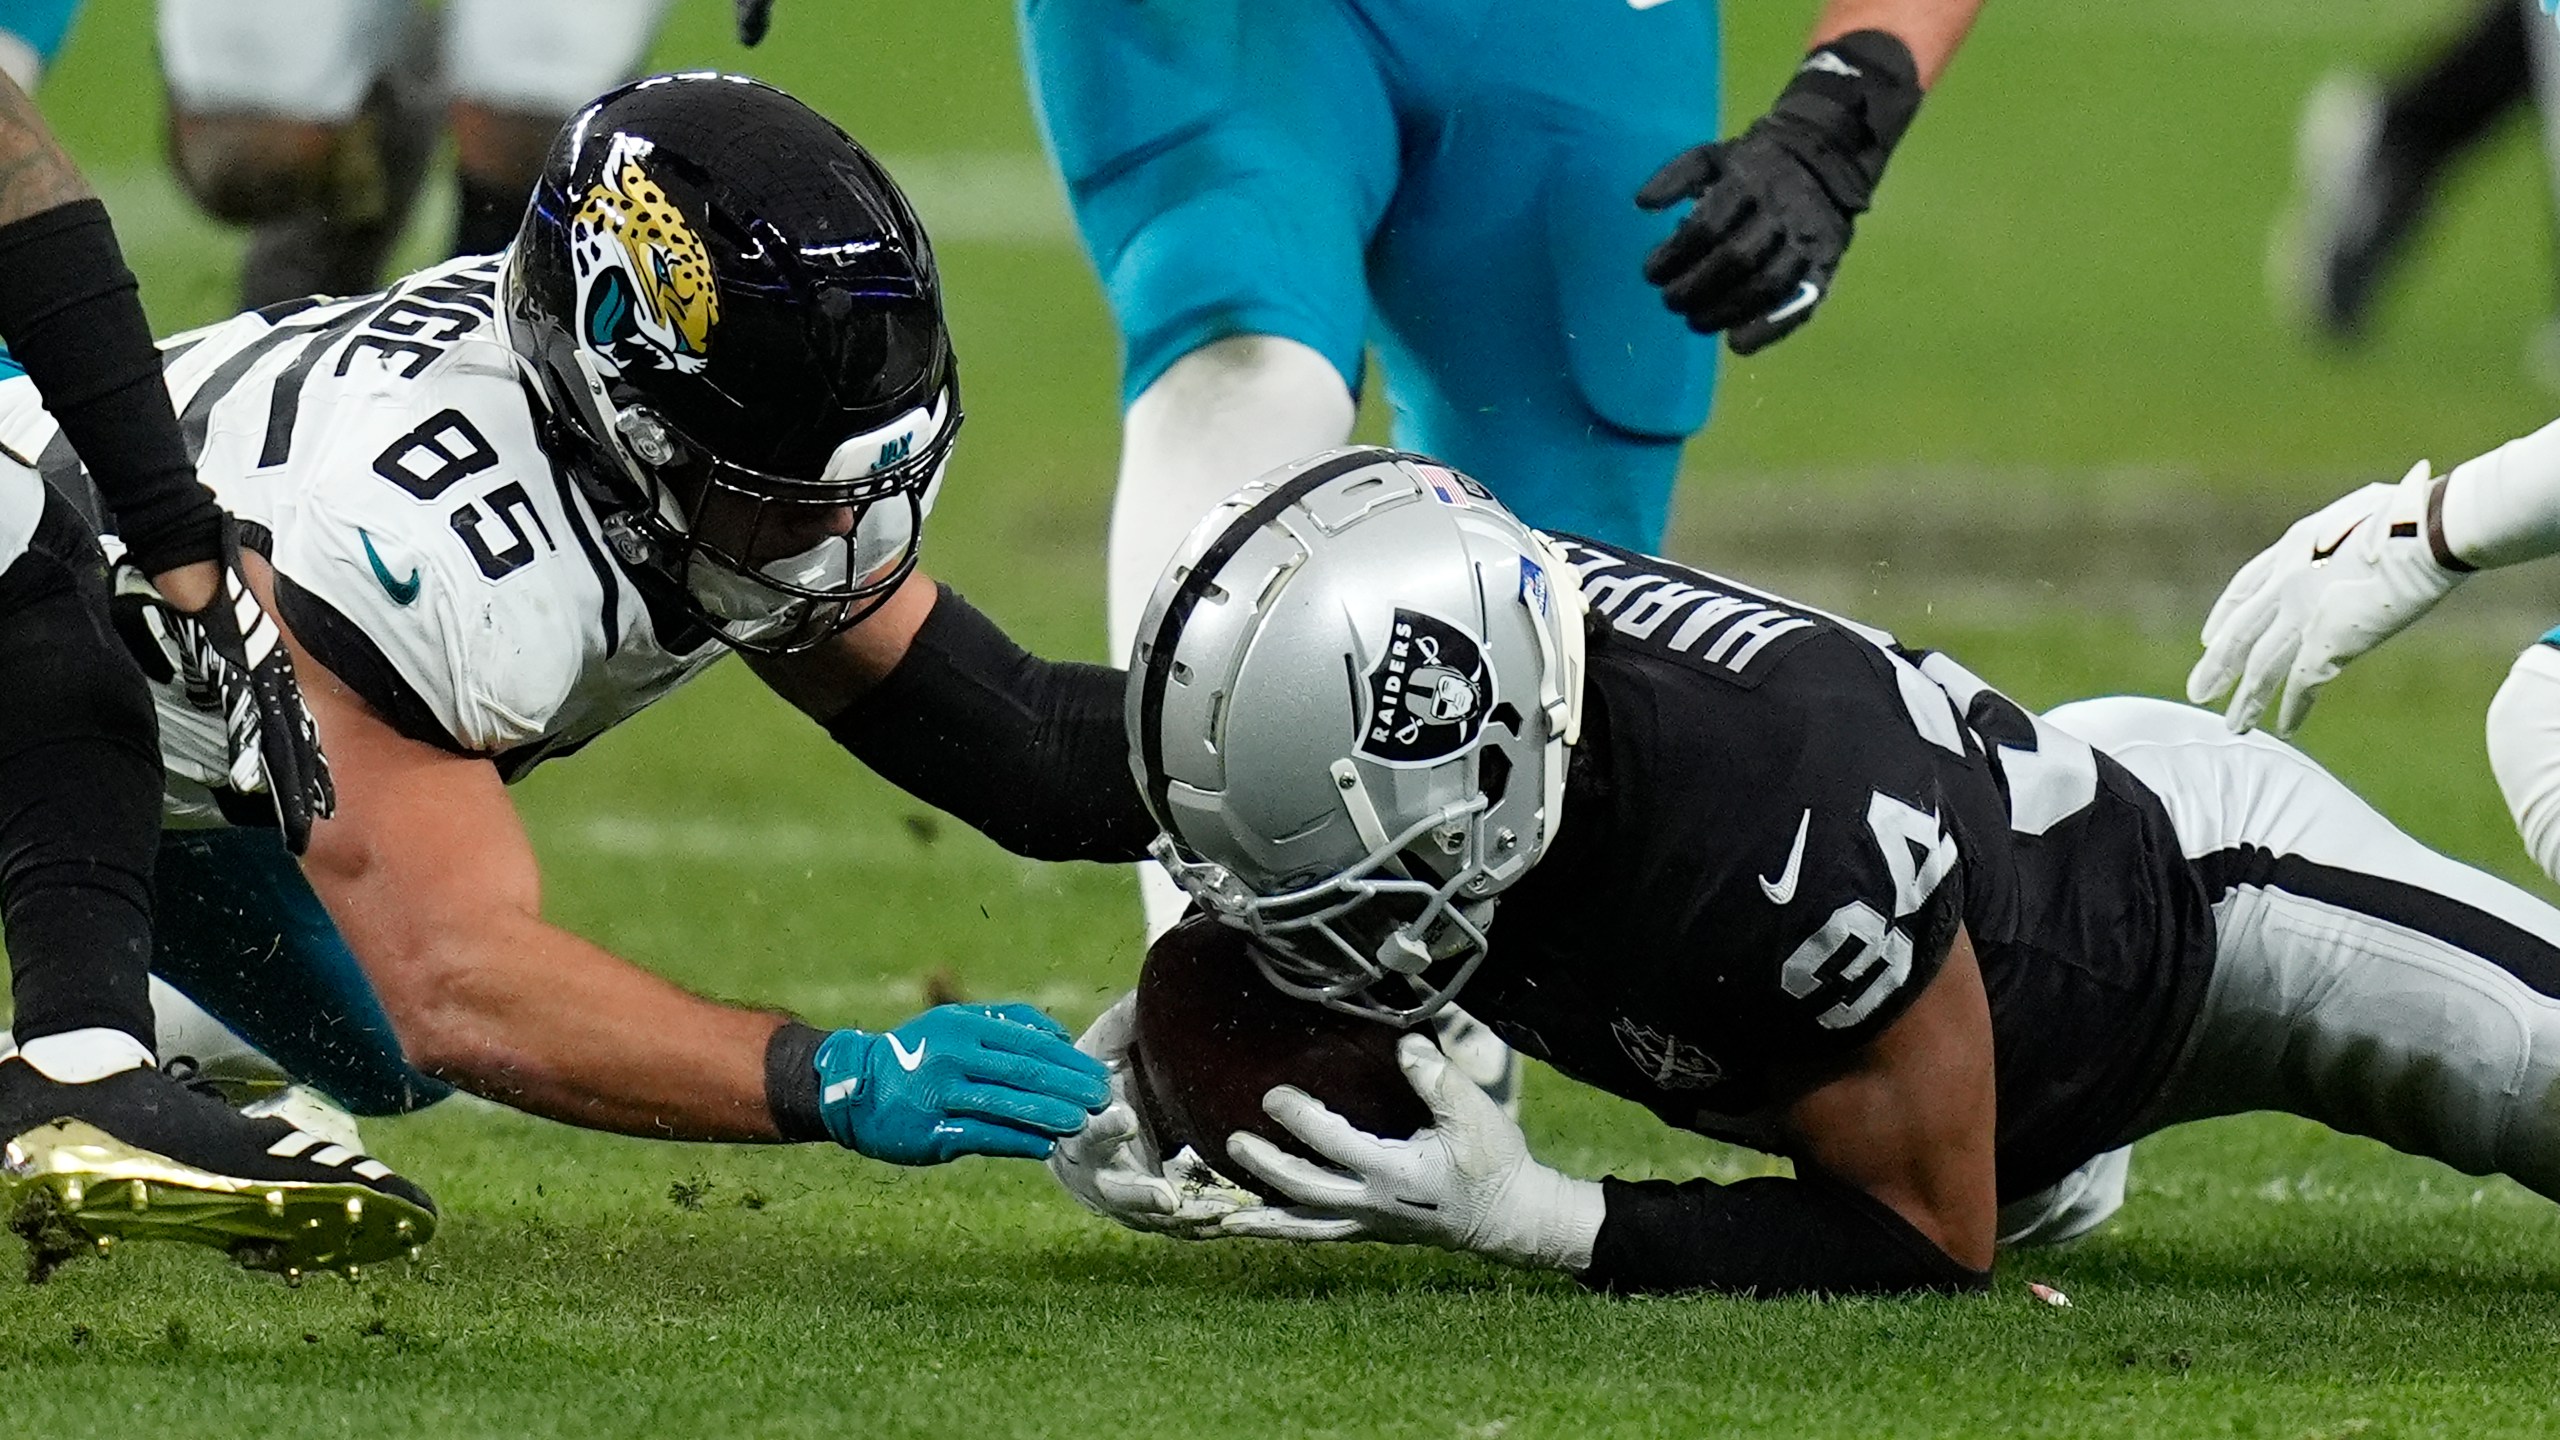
(1705, 621)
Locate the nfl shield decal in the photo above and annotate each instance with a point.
(1670, 1062)
(1427, 694)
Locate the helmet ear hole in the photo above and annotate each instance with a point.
(1493, 773)
(1507, 716)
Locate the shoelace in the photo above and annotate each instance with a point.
(184, 1070)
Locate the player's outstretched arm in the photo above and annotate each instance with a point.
(2363, 568)
(1774, 207)
(429, 876)
(1896, 1188)
(929, 693)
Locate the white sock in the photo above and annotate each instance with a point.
(1221, 416)
(76, 1057)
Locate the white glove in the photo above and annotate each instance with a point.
(1111, 1168)
(2340, 582)
(1465, 1182)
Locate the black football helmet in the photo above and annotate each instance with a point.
(732, 314)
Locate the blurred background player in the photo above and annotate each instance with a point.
(2371, 159)
(312, 121)
(82, 1102)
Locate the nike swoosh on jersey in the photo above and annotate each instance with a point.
(401, 592)
(1783, 889)
(1645, 4)
(908, 1059)
(2320, 553)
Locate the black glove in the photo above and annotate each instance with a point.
(753, 17)
(231, 660)
(1775, 204)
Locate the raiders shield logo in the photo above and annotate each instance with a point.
(1670, 1062)
(1427, 694)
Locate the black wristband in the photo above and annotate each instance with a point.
(1033, 753)
(1766, 1236)
(1847, 107)
(71, 314)
(791, 1081)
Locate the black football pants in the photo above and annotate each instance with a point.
(79, 789)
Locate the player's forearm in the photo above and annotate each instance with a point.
(1764, 1237)
(531, 1016)
(1932, 30)
(2503, 507)
(1033, 753)
(35, 176)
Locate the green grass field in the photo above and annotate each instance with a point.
(2046, 412)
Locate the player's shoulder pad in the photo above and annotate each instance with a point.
(432, 521)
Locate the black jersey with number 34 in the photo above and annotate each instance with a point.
(1777, 820)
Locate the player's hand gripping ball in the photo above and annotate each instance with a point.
(1213, 1038)
(1112, 1166)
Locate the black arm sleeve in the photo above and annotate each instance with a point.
(1765, 1237)
(72, 316)
(1031, 752)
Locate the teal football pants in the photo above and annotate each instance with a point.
(1451, 179)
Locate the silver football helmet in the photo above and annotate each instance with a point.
(1348, 709)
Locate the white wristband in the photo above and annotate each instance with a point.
(1555, 1220)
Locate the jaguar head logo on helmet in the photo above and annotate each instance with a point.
(734, 321)
(1349, 711)
(646, 292)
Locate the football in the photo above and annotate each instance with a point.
(1214, 1037)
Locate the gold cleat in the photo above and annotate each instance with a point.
(69, 1186)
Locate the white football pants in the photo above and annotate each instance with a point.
(2361, 979)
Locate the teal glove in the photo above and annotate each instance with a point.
(958, 1080)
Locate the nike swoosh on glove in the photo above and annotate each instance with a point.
(1111, 1166)
(958, 1080)
(2342, 580)
(231, 661)
(1464, 1182)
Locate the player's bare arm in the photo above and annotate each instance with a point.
(430, 876)
(1911, 1124)
(35, 176)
